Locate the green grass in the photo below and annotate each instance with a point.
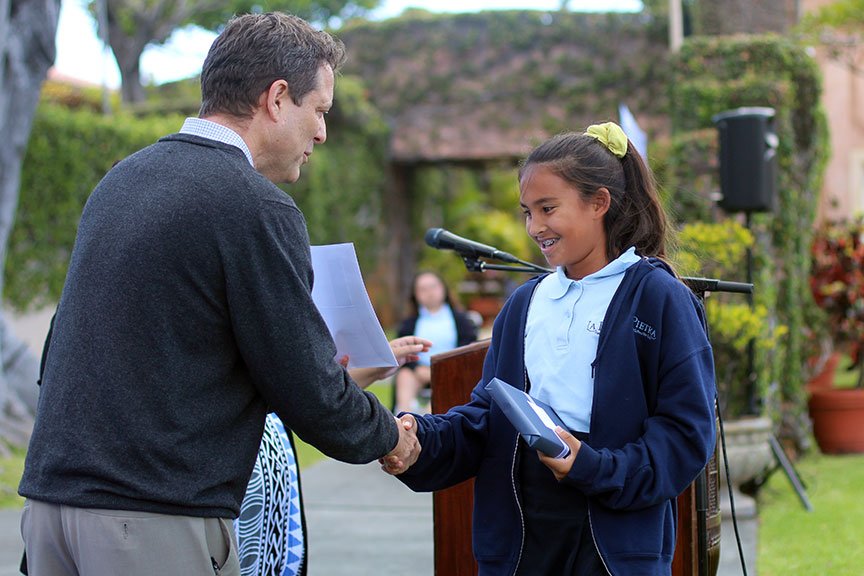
(829, 540)
(11, 469)
(308, 455)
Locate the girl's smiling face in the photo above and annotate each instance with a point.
(568, 229)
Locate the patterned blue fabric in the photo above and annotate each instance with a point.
(269, 528)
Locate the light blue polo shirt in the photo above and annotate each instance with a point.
(561, 336)
(439, 327)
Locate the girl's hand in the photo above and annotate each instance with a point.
(405, 349)
(561, 466)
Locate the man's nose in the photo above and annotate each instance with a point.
(321, 136)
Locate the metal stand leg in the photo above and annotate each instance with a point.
(791, 473)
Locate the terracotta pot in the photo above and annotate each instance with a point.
(838, 420)
(825, 378)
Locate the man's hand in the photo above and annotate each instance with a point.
(561, 466)
(407, 450)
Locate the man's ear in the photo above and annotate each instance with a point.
(601, 201)
(275, 98)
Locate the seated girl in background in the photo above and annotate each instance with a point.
(435, 318)
(617, 345)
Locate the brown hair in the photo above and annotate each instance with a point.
(635, 216)
(415, 305)
(255, 50)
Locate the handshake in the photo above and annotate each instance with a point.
(407, 450)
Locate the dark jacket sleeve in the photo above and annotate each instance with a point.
(287, 347)
(454, 444)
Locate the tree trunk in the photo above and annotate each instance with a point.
(131, 89)
(27, 50)
(127, 51)
(153, 24)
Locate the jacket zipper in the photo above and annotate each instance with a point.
(594, 539)
(513, 481)
(518, 505)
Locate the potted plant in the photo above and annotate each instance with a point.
(837, 284)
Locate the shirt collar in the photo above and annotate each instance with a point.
(218, 132)
(618, 266)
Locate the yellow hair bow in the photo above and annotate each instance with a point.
(610, 135)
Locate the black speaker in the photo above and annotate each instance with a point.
(748, 159)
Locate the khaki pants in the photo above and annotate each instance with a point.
(62, 540)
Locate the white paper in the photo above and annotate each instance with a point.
(547, 421)
(342, 300)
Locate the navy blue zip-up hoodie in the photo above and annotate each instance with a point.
(652, 428)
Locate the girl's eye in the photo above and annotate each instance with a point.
(548, 209)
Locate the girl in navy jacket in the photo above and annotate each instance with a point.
(617, 345)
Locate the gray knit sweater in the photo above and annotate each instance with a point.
(185, 317)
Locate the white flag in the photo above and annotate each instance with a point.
(633, 132)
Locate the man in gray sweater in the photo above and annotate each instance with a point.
(186, 317)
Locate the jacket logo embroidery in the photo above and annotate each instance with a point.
(643, 329)
(594, 326)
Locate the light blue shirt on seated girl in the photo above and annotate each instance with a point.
(561, 336)
(438, 327)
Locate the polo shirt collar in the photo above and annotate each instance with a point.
(559, 288)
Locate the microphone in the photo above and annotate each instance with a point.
(441, 239)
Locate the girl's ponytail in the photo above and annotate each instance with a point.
(642, 222)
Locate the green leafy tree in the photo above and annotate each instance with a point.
(839, 28)
(844, 15)
(133, 25)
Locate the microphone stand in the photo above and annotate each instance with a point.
(474, 264)
(699, 286)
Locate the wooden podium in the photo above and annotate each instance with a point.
(454, 375)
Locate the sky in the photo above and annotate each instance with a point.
(80, 53)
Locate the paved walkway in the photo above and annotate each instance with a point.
(362, 521)
(11, 545)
